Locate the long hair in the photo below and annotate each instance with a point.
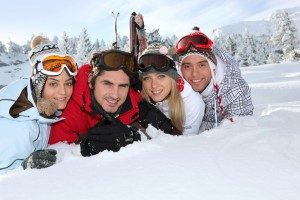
(176, 106)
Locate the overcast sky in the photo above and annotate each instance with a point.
(20, 19)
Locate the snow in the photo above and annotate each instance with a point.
(257, 27)
(256, 157)
(9, 73)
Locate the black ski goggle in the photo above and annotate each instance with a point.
(159, 62)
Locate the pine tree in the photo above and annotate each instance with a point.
(167, 42)
(263, 47)
(230, 46)
(84, 48)
(2, 48)
(125, 43)
(154, 37)
(73, 43)
(96, 46)
(247, 51)
(64, 44)
(102, 45)
(26, 47)
(14, 49)
(284, 38)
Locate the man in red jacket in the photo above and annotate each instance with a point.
(104, 106)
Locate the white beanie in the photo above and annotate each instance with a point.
(41, 47)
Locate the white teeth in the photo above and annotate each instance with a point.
(196, 81)
(112, 101)
(60, 99)
(156, 91)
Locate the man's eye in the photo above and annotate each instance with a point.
(146, 78)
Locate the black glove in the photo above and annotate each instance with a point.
(40, 159)
(108, 135)
(149, 114)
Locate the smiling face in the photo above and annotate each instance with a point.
(157, 86)
(195, 69)
(111, 89)
(58, 89)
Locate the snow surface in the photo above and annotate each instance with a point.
(9, 72)
(256, 157)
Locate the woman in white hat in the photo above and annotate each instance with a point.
(29, 106)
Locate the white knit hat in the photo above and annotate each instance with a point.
(41, 47)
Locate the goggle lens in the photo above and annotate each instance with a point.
(53, 65)
(197, 40)
(158, 61)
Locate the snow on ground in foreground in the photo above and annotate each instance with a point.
(256, 157)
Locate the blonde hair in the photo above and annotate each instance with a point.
(176, 106)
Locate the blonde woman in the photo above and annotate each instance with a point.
(162, 86)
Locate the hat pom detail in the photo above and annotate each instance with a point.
(39, 40)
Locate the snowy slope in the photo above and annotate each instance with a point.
(259, 27)
(12, 68)
(255, 157)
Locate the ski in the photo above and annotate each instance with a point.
(138, 39)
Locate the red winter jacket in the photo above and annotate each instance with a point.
(78, 116)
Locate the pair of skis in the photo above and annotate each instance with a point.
(138, 38)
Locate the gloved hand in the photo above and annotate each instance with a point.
(40, 159)
(149, 114)
(108, 135)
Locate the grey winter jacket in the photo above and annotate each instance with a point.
(234, 92)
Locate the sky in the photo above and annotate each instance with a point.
(19, 20)
(255, 157)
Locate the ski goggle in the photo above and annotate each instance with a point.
(198, 40)
(159, 62)
(54, 64)
(113, 60)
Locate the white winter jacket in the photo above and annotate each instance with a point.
(20, 136)
(234, 92)
(194, 109)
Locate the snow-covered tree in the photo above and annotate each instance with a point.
(246, 54)
(73, 43)
(273, 58)
(230, 46)
(167, 42)
(64, 44)
(26, 47)
(103, 45)
(125, 43)
(84, 48)
(284, 38)
(14, 48)
(263, 47)
(2, 48)
(96, 46)
(154, 37)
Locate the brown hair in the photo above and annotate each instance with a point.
(96, 71)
